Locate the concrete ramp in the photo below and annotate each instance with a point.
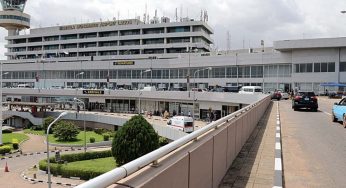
(24, 115)
(112, 121)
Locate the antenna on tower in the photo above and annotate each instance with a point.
(181, 13)
(176, 14)
(201, 16)
(145, 14)
(118, 15)
(228, 42)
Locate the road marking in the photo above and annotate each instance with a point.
(277, 128)
(327, 113)
(277, 135)
(278, 164)
(278, 122)
(277, 146)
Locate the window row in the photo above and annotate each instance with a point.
(314, 67)
(101, 34)
(215, 72)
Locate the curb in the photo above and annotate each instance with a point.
(278, 152)
(38, 153)
(41, 181)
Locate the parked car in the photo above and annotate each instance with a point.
(284, 95)
(339, 112)
(276, 95)
(306, 100)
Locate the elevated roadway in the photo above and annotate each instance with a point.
(314, 148)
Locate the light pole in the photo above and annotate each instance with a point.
(189, 50)
(139, 90)
(76, 75)
(194, 91)
(151, 68)
(1, 103)
(48, 167)
(80, 101)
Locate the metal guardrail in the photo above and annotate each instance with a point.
(119, 173)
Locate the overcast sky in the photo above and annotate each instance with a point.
(248, 21)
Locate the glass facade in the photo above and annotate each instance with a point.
(255, 71)
(13, 4)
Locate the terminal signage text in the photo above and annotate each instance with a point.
(99, 24)
(124, 63)
(93, 92)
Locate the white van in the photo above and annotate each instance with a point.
(182, 123)
(250, 90)
(149, 88)
(23, 86)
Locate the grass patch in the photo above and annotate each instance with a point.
(99, 165)
(37, 132)
(80, 138)
(7, 138)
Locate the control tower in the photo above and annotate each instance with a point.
(12, 17)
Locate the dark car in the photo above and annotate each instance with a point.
(276, 95)
(306, 100)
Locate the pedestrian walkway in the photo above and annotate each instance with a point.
(34, 144)
(254, 165)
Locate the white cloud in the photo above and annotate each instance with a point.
(247, 20)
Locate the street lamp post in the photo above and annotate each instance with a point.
(80, 101)
(188, 86)
(139, 90)
(76, 75)
(48, 164)
(1, 103)
(151, 68)
(194, 91)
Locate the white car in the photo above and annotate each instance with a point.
(284, 95)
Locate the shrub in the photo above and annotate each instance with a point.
(15, 144)
(5, 149)
(48, 120)
(106, 137)
(163, 141)
(66, 131)
(135, 139)
(37, 128)
(99, 131)
(92, 139)
(60, 169)
(6, 131)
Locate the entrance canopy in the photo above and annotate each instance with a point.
(29, 104)
(333, 84)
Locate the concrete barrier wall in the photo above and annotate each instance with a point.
(208, 158)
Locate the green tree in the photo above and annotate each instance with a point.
(66, 131)
(47, 121)
(135, 139)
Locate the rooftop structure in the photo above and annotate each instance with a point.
(110, 39)
(12, 17)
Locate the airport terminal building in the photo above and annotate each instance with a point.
(167, 54)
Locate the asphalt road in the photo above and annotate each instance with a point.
(314, 148)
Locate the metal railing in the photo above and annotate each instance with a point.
(119, 173)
